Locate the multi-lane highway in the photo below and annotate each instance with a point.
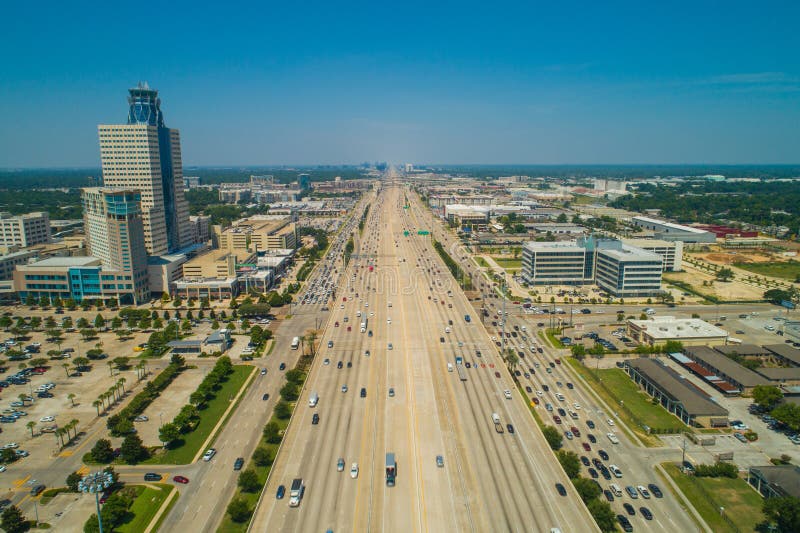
(414, 407)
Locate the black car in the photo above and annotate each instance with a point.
(282, 366)
(510, 428)
(629, 509)
(570, 385)
(646, 513)
(591, 438)
(152, 476)
(655, 490)
(585, 460)
(315, 419)
(363, 392)
(593, 473)
(561, 490)
(590, 424)
(281, 492)
(609, 495)
(603, 455)
(238, 464)
(624, 522)
(265, 396)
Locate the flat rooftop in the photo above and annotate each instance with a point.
(671, 225)
(669, 327)
(72, 261)
(630, 253)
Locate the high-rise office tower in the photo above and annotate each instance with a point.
(115, 234)
(145, 155)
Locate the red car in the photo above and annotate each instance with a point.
(336, 324)
(556, 419)
(180, 479)
(587, 447)
(575, 431)
(497, 374)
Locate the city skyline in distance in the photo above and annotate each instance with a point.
(473, 85)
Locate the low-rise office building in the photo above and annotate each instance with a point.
(775, 481)
(688, 331)
(79, 279)
(261, 232)
(676, 394)
(10, 261)
(211, 288)
(220, 263)
(670, 251)
(726, 368)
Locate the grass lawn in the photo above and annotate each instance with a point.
(742, 504)
(208, 419)
(481, 261)
(613, 379)
(166, 512)
(789, 270)
(554, 337)
(508, 263)
(145, 507)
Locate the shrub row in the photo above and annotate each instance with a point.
(121, 423)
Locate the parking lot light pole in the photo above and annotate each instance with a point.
(96, 483)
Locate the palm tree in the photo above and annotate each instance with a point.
(121, 382)
(23, 398)
(71, 398)
(30, 425)
(74, 425)
(110, 368)
(65, 366)
(96, 405)
(60, 435)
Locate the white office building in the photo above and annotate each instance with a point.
(557, 263)
(24, 230)
(625, 271)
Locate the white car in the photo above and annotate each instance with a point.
(11, 446)
(390, 346)
(141, 418)
(576, 405)
(507, 394)
(610, 422)
(354, 471)
(2, 468)
(211, 452)
(540, 393)
(47, 419)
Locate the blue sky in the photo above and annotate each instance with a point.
(458, 82)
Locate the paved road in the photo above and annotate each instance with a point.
(636, 463)
(489, 481)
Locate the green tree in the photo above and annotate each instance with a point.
(239, 511)
(272, 433)
(283, 410)
(551, 434)
(587, 488)
(7, 456)
(262, 456)
(72, 481)
(789, 414)
(767, 396)
(784, 512)
(724, 274)
(102, 452)
(168, 433)
(132, 449)
(569, 462)
(603, 515)
(248, 481)
(13, 521)
(99, 321)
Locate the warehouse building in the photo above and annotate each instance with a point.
(668, 231)
(676, 394)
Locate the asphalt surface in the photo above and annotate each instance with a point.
(488, 481)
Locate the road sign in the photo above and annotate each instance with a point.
(423, 232)
(405, 234)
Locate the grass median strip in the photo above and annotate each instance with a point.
(184, 453)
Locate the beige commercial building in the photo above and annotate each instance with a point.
(145, 155)
(220, 263)
(263, 232)
(24, 230)
(688, 331)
